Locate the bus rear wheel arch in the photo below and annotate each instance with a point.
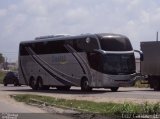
(85, 85)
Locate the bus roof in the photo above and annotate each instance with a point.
(110, 35)
(64, 37)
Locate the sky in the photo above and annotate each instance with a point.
(22, 20)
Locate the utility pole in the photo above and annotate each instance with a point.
(157, 37)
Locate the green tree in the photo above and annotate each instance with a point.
(1, 58)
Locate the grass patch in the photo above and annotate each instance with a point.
(2, 74)
(94, 107)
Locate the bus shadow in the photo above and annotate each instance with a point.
(55, 91)
(146, 90)
(71, 91)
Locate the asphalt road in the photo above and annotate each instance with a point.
(21, 110)
(10, 109)
(138, 95)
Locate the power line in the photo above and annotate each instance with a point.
(9, 52)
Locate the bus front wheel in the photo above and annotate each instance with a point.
(85, 85)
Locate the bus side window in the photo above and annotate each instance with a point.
(23, 50)
(94, 60)
(69, 42)
(87, 44)
(81, 45)
(93, 44)
(39, 48)
(74, 44)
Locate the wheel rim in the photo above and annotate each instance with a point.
(86, 85)
(40, 85)
(33, 83)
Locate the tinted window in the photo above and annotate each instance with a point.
(115, 44)
(83, 44)
(23, 50)
(87, 44)
(55, 47)
(38, 48)
(94, 61)
(44, 47)
(122, 63)
(50, 47)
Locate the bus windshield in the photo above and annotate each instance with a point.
(118, 64)
(115, 44)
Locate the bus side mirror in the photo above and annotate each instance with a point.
(141, 57)
(140, 53)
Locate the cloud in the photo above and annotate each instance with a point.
(26, 19)
(77, 15)
(3, 12)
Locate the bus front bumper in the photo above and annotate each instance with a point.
(119, 80)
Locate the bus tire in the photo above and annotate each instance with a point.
(33, 83)
(5, 84)
(114, 89)
(85, 85)
(40, 83)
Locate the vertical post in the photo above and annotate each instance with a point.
(157, 37)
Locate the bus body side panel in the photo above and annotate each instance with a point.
(30, 68)
(65, 65)
(22, 79)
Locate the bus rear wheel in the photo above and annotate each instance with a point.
(85, 85)
(114, 89)
(33, 84)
